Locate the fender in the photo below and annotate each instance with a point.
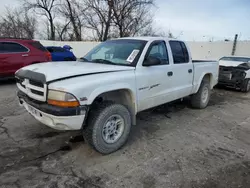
(107, 88)
(197, 85)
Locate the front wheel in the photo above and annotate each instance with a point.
(108, 127)
(201, 98)
(246, 85)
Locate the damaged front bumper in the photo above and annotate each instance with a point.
(231, 77)
(55, 117)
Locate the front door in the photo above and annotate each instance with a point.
(154, 82)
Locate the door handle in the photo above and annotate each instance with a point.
(190, 70)
(25, 55)
(170, 73)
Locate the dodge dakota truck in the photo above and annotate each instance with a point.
(102, 92)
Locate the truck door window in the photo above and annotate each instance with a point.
(159, 50)
(184, 48)
(179, 51)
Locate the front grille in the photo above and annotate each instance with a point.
(232, 74)
(35, 83)
(225, 76)
(36, 92)
(20, 81)
(33, 89)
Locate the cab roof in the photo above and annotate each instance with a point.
(148, 38)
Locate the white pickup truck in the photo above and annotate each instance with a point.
(102, 93)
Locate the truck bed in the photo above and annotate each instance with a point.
(200, 68)
(202, 61)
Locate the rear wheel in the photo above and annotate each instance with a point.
(201, 98)
(246, 85)
(108, 127)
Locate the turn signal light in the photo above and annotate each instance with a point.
(64, 104)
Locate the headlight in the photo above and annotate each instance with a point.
(243, 74)
(62, 99)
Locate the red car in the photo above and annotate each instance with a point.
(17, 53)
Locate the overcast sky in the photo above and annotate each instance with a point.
(209, 18)
(196, 19)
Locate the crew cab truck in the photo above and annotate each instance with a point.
(102, 92)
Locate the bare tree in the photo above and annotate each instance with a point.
(61, 30)
(104, 18)
(73, 10)
(130, 16)
(139, 24)
(44, 8)
(98, 17)
(17, 24)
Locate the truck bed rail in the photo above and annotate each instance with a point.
(202, 61)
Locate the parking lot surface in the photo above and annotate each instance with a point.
(171, 146)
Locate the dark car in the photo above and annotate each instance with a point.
(17, 53)
(61, 54)
(235, 72)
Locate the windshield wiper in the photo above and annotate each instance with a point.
(83, 59)
(103, 61)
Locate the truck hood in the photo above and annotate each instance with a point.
(230, 63)
(236, 64)
(60, 70)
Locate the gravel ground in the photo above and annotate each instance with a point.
(171, 146)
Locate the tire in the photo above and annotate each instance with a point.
(246, 86)
(198, 100)
(94, 132)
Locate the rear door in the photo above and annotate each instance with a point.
(182, 69)
(12, 57)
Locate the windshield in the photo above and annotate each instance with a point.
(118, 52)
(242, 59)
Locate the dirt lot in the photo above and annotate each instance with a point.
(171, 146)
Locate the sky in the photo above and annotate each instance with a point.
(204, 19)
(195, 19)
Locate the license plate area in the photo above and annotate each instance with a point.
(229, 76)
(33, 111)
(226, 76)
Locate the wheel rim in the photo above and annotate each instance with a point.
(204, 95)
(113, 129)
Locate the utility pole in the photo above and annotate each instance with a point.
(234, 44)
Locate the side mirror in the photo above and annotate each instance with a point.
(151, 61)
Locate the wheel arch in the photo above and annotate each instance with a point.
(206, 76)
(124, 96)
